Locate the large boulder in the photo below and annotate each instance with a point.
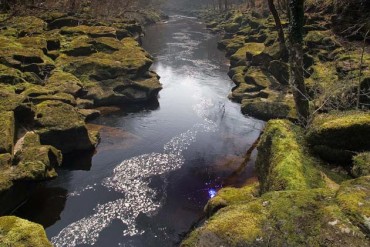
(342, 130)
(283, 162)
(60, 125)
(284, 218)
(246, 53)
(18, 232)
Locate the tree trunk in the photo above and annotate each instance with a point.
(295, 41)
(275, 14)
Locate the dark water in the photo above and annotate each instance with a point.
(157, 164)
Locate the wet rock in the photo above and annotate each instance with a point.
(361, 165)
(18, 232)
(61, 126)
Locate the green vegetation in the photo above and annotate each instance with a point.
(21, 233)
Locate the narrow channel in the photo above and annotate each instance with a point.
(157, 164)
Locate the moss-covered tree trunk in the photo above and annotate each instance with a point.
(275, 14)
(295, 41)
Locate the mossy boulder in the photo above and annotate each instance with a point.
(266, 109)
(18, 232)
(246, 53)
(34, 161)
(64, 82)
(285, 218)
(361, 164)
(231, 27)
(60, 125)
(283, 161)
(242, 90)
(341, 130)
(7, 127)
(259, 77)
(130, 59)
(353, 198)
(92, 31)
(10, 75)
(9, 100)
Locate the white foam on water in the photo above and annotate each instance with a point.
(131, 178)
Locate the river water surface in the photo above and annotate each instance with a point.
(157, 164)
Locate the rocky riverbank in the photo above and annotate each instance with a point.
(56, 70)
(314, 183)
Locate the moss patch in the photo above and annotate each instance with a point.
(361, 164)
(17, 232)
(283, 162)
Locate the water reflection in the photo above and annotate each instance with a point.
(156, 168)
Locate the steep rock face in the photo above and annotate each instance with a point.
(17, 232)
(61, 126)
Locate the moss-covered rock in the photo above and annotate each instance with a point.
(286, 218)
(92, 31)
(361, 164)
(283, 161)
(10, 75)
(353, 198)
(246, 53)
(60, 125)
(7, 130)
(18, 232)
(64, 82)
(266, 109)
(341, 130)
(260, 78)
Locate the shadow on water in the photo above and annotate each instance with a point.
(45, 206)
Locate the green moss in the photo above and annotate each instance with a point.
(286, 218)
(229, 196)
(10, 75)
(341, 130)
(92, 31)
(7, 130)
(131, 58)
(60, 125)
(361, 164)
(283, 162)
(9, 100)
(258, 77)
(247, 51)
(353, 198)
(266, 109)
(64, 82)
(231, 27)
(21, 233)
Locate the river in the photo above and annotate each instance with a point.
(157, 164)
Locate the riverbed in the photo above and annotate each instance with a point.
(158, 163)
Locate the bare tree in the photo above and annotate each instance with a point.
(279, 27)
